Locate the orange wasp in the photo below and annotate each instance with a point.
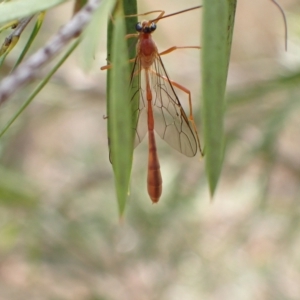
(159, 106)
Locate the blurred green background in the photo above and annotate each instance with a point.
(60, 236)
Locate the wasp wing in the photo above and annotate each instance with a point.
(171, 122)
(138, 102)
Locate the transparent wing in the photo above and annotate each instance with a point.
(171, 122)
(138, 101)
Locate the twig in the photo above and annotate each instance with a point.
(15, 34)
(27, 70)
(21, 26)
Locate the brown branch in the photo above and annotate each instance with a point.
(26, 71)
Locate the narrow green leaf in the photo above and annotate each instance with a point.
(40, 86)
(19, 8)
(6, 48)
(218, 19)
(11, 40)
(36, 29)
(120, 132)
(94, 31)
(230, 26)
(8, 25)
(130, 8)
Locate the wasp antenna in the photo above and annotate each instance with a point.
(177, 13)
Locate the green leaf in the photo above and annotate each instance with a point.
(35, 31)
(94, 31)
(120, 117)
(218, 20)
(21, 8)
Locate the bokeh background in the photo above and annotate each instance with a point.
(60, 235)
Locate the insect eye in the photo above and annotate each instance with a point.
(138, 27)
(152, 27)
